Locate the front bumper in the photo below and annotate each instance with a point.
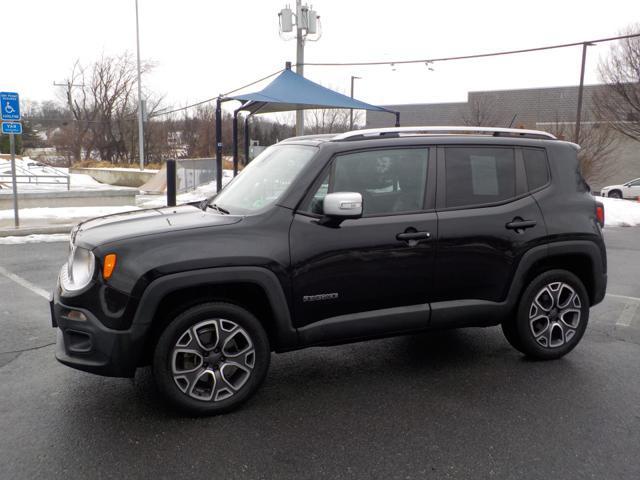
(86, 344)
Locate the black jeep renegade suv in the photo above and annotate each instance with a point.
(331, 239)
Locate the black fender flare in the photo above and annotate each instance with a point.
(286, 335)
(564, 247)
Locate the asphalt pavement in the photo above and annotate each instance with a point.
(456, 404)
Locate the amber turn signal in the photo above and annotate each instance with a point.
(109, 265)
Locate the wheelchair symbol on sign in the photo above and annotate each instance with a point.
(8, 108)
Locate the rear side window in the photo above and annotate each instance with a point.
(536, 167)
(479, 175)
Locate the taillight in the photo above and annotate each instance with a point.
(600, 213)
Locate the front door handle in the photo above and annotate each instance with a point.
(412, 237)
(520, 225)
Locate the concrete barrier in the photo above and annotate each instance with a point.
(87, 198)
(123, 177)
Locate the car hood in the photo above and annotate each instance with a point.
(610, 187)
(119, 226)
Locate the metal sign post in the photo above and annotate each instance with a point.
(14, 183)
(10, 111)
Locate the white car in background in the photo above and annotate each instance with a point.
(627, 190)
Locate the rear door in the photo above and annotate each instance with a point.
(351, 274)
(487, 220)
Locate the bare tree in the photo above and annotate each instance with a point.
(330, 120)
(102, 103)
(619, 101)
(82, 111)
(482, 112)
(597, 146)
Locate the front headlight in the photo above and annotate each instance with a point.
(79, 270)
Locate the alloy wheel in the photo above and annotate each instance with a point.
(554, 314)
(212, 360)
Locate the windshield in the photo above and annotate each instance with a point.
(265, 179)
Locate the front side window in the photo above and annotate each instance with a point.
(479, 175)
(265, 179)
(390, 181)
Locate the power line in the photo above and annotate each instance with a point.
(468, 57)
(215, 98)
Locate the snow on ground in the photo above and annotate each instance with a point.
(205, 190)
(64, 213)
(36, 238)
(27, 166)
(620, 213)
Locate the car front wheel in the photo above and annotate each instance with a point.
(211, 358)
(615, 194)
(552, 316)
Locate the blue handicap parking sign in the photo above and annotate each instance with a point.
(12, 127)
(9, 106)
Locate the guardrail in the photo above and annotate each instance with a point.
(25, 176)
(37, 179)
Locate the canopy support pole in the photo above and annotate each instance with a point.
(246, 139)
(218, 144)
(397, 119)
(235, 143)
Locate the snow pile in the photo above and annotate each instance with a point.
(203, 191)
(28, 166)
(35, 238)
(620, 213)
(65, 213)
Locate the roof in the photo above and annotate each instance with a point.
(290, 91)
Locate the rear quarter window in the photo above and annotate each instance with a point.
(536, 167)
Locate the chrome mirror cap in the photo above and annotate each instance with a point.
(343, 205)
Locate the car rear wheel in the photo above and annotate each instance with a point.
(552, 316)
(211, 358)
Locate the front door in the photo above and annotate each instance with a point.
(364, 277)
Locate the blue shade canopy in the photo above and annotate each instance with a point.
(290, 91)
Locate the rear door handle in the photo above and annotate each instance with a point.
(520, 224)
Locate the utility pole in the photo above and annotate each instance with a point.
(576, 138)
(351, 111)
(140, 103)
(299, 63)
(307, 23)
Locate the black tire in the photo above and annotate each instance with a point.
(615, 194)
(565, 320)
(221, 328)
(511, 334)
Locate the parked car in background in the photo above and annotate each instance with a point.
(626, 190)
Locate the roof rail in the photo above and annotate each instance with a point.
(459, 130)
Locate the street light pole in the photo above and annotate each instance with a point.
(351, 112)
(140, 113)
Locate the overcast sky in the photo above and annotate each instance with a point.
(204, 47)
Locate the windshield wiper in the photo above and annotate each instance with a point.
(218, 208)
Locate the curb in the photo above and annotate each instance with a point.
(43, 230)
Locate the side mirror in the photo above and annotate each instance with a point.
(342, 205)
